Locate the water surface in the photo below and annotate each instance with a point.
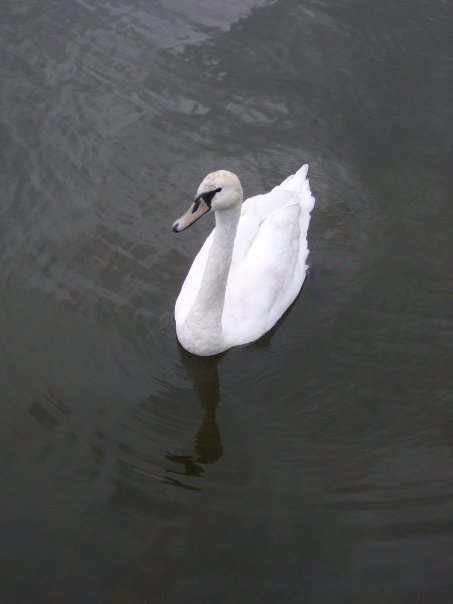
(312, 466)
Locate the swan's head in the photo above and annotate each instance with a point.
(218, 191)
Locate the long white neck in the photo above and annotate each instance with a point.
(203, 325)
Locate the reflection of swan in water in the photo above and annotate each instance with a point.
(208, 444)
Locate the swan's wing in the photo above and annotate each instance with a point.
(294, 190)
(262, 286)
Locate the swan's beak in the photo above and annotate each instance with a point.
(196, 211)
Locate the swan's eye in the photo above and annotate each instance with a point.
(207, 197)
(218, 190)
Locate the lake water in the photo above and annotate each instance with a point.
(313, 466)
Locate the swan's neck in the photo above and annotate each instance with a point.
(204, 321)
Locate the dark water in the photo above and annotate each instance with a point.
(313, 466)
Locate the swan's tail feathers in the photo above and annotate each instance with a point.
(297, 181)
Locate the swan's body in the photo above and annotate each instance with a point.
(252, 266)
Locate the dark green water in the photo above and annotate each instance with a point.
(314, 466)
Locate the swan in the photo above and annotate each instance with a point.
(250, 268)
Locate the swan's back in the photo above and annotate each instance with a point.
(269, 261)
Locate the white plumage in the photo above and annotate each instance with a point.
(250, 268)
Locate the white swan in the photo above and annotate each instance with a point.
(251, 267)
